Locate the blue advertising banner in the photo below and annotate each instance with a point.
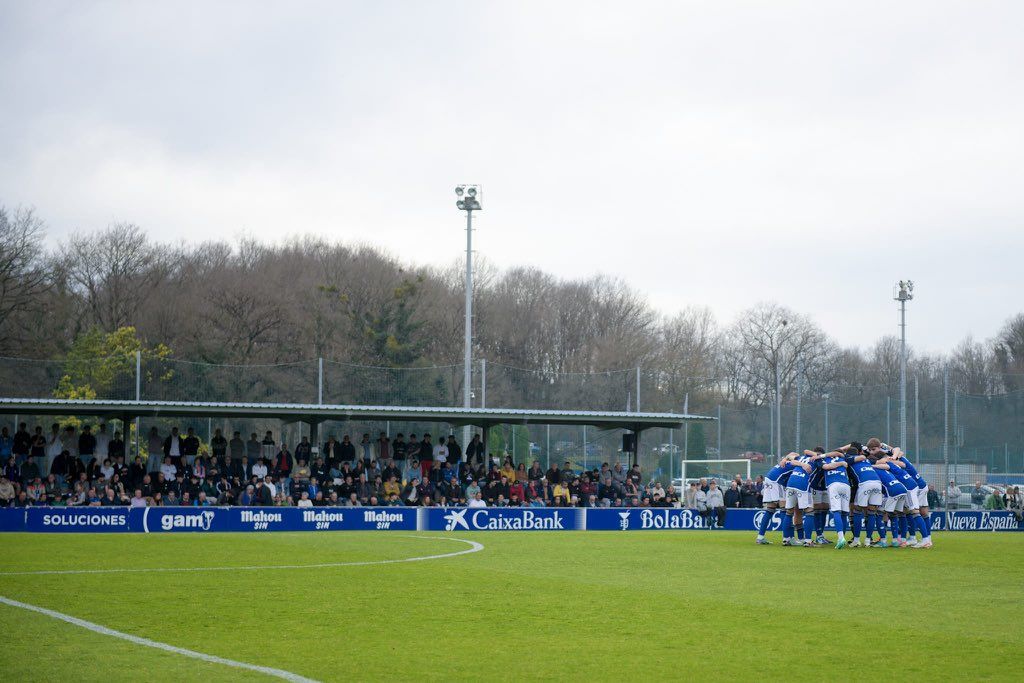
(155, 519)
(503, 519)
(643, 519)
(77, 519)
(12, 519)
(194, 519)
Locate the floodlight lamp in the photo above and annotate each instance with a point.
(471, 191)
(461, 204)
(459, 190)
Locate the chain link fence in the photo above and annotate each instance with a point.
(983, 431)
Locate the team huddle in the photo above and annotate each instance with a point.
(889, 497)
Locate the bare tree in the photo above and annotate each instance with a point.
(25, 272)
(114, 272)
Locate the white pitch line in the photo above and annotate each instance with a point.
(103, 630)
(474, 547)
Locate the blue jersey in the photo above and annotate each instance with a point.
(862, 471)
(836, 476)
(780, 473)
(890, 482)
(817, 476)
(921, 483)
(905, 477)
(798, 478)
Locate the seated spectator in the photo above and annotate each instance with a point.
(561, 495)
(994, 501)
(733, 496)
(392, 487)
(168, 469)
(301, 475)
(7, 492)
(304, 501)
(477, 501)
(137, 500)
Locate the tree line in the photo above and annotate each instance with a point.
(248, 302)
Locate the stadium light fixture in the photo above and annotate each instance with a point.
(903, 292)
(468, 202)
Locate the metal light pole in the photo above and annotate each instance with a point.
(826, 397)
(904, 293)
(778, 402)
(469, 202)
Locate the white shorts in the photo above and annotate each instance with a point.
(893, 503)
(839, 497)
(910, 500)
(869, 493)
(819, 496)
(772, 492)
(795, 498)
(922, 498)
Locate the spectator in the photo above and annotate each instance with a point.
(282, 468)
(553, 475)
(116, 447)
(716, 504)
(102, 443)
(137, 500)
(303, 449)
(86, 445)
(268, 448)
(155, 450)
(173, 448)
(454, 452)
(259, 469)
(253, 448)
(367, 451)
(37, 448)
(168, 469)
(426, 456)
(7, 492)
(748, 494)
(1015, 504)
(701, 504)
(733, 497)
(70, 441)
(952, 495)
(304, 501)
(218, 447)
(475, 451)
(54, 446)
(977, 496)
(690, 497)
(399, 450)
(477, 501)
(994, 501)
(6, 444)
(933, 498)
(561, 495)
(22, 443)
(236, 447)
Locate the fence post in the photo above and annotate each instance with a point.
(320, 382)
(638, 389)
(917, 421)
(799, 398)
(483, 382)
(138, 396)
(945, 426)
(719, 415)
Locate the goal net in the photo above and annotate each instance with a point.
(722, 470)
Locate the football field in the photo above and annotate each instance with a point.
(506, 606)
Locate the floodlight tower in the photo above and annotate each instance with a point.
(468, 201)
(903, 292)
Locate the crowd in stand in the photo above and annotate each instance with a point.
(88, 468)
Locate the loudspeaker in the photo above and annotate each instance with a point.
(629, 443)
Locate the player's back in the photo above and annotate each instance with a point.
(891, 484)
(862, 470)
(798, 478)
(836, 476)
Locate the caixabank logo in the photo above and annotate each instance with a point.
(497, 519)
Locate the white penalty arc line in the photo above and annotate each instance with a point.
(103, 630)
(474, 548)
(213, 659)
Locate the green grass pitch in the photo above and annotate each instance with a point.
(549, 606)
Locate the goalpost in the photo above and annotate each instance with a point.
(723, 469)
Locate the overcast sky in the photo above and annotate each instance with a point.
(710, 153)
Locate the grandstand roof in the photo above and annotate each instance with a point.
(315, 413)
